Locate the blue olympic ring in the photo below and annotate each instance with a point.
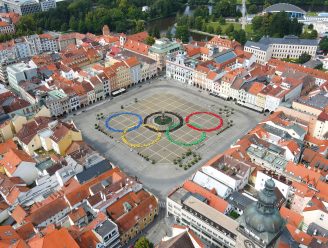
(109, 118)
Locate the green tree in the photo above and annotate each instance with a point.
(140, 26)
(229, 29)
(73, 23)
(240, 36)
(156, 32)
(252, 9)
(182, 33)
(150, 40)
(303, 58)
(143, 242)
(64, 27)
(198, 22)
(323, 45)
(210, 29)
(222, 21)
(218, 30)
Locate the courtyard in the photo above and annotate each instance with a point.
(150, 102)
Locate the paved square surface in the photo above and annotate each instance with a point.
(164, 151)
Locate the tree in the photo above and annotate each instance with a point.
(73, 23)
(323, 45)
(210, 29)
(143, 242)
(218, 30)
(150, 40)
(252, 9)
(156, 32)
(199, 22)
(182, 33)
(310, 35)
(310, 27)
(230, 29)
(240, 36)
(303, 58)
(140, 26)
(222, 21)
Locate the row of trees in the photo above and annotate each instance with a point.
(275, 25)
(296, 2)
(90, 16)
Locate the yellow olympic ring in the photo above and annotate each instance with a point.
(138, 145)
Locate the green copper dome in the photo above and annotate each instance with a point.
(262, 217)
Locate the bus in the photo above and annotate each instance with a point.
(118, 92)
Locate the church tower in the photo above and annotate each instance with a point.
(261, 224)
(105, 30)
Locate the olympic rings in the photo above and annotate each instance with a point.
(192, 126)
(179, 117)
(180, 143)
(109, 118)
(138, 145)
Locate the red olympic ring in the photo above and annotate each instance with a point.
(187, 119)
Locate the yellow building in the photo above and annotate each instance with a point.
(133, 213)
(18, 121)
(260, 100)
(63, 135)
(6, 131)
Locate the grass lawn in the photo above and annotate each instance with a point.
(241, 2)
(237, 26)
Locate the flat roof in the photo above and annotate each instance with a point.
(212, 214)
(105, 227)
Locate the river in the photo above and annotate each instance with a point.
(167, 23)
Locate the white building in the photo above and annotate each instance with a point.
(262, 52)
(208, 182)
(282, 184)
(229, 171)
(25, 7)
(180, 68)
(19, 72)
(287, 47)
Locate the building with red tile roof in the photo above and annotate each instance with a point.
(136, 46)
(299, 236)
(56, 239)
(18, 163)
(181, 237)
(48, 213)
(212, 199)
(224, 43)
(132, 213)
(10, 238)
(26, 231)
(292, 217)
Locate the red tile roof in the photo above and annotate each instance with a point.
(77, 214)
(9, 144)
(56, 239)
(136, 46)
(299, 236)
(140, 37)
(13, 158)
(30, 129)
(47, 211)
(307, 175)
(291, 217)
(213, 200)
(142, 203)
(26, 231)
(8, 236)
